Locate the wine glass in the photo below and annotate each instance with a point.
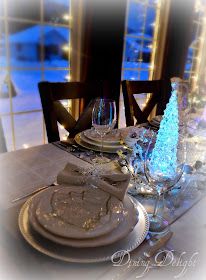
(162, 174)
(103, 121)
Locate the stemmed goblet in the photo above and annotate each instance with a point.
(103, 121)
(163, 178)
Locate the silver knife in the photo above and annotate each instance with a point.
(32, 193)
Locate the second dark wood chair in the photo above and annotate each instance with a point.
(157, 88)
(51, 93)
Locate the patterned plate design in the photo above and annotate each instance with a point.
(122, 230)
(77, 212)
(83, 255)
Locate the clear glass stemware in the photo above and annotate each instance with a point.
(162, 181)
(103, 121)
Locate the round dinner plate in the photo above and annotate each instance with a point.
(112, 138)
(83, 255)
(93, 146)
(106, 144)
(127, 225)
(78, 205)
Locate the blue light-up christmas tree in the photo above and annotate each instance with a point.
(164, 155)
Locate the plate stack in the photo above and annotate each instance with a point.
(82, 224)
(91, 140)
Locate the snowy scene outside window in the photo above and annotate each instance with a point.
(139, 41)
(34, 46)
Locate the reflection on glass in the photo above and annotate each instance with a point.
(24, 9)
(57, 11)
(7, 130)
(24, 42)
(57, 76)
(28, 130)
(56, 46)
(26, 87)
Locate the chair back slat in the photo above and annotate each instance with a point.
(75, 89)
(51, 93)
(132, 110)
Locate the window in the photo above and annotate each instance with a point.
(140, 40)
(34, 46)
(196, 52)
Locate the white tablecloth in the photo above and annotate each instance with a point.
(23, 171)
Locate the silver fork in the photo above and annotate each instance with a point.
(33, 192)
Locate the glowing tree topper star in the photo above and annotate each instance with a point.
(164, 155)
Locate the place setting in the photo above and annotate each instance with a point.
(102, 137)
(85, 218)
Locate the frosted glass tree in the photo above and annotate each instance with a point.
(164, 155)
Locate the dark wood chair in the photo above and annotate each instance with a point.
(157, 88)
(51, 93)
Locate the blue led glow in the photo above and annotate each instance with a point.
(164, 155)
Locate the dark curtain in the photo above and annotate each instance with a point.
(103, 38)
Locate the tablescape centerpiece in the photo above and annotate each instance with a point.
(132, 161)
(165, 157)
(86, 210)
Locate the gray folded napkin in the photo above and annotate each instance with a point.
(115, 184)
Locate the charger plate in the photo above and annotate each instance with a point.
(83, 255)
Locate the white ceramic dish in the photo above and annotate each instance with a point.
(124, 228)
(83, 255)
(77, 212)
